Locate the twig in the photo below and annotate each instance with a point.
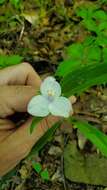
(21, 33)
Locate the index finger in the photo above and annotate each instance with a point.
(21, 74)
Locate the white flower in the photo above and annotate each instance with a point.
(50, 100)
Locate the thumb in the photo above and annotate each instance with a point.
(15, 99)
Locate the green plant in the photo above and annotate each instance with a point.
(92, 133)
(91, 51)
(2, 2)
(42, 172)
(45, 139)
(93, 18)
(12, 60)
(16, 3)
(84, 77)
(34, 123)
(80, 54)
(103, 1)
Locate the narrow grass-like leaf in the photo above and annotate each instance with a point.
(43, 140)
(84, 77)
(98, 138)
(8, 176)
(34, 123)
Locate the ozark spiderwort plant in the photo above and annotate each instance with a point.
(51, 102)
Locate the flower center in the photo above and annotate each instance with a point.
(51, 93)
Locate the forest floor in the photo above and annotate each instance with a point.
(39, 33)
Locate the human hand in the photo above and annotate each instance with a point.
(17, 86)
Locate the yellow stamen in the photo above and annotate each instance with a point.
(50, 93)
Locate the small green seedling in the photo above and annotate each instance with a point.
(42, 172)
(37, 167)
(45, 174)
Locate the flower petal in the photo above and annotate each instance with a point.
(61, 106)
(50, 85)
(38, 106)
(50, 78)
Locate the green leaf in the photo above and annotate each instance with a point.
(93, 19)
(86, 10)
(8, 176)
(84, 77)
(100, 15)
(75, 50)
(90, 24)
(34, 123)
(37, 167)
(45, 175)
(93, 53)
(93, 134)
(103, 1)
(67, 66)
(101, 40)
(87, 54)
(75, 54)
(82, 12)
(44, 139)
(16, 3)
(9, 60)
(104, 51)
(2, 2)
(89, 40)
(102, 26)
(14, 59)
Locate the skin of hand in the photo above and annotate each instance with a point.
(18, 84)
